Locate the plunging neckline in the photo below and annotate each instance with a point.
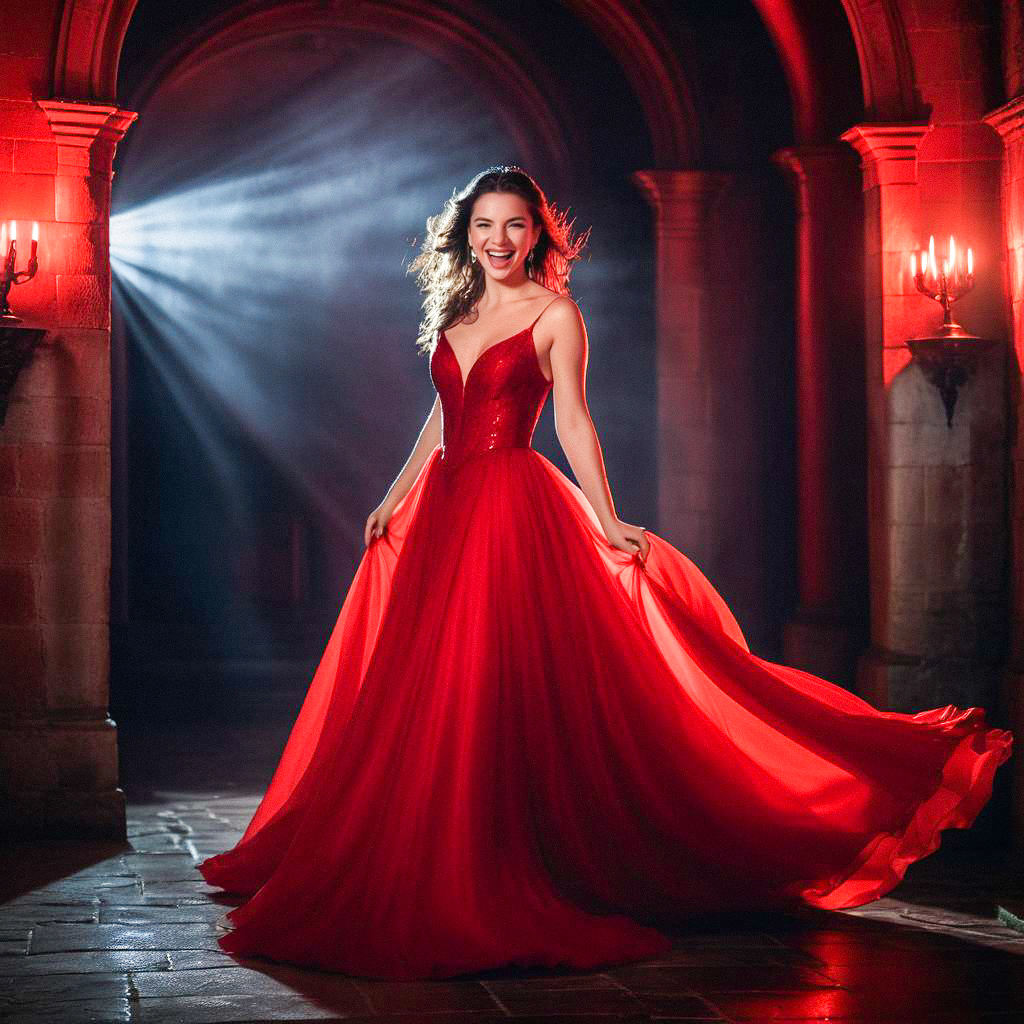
(464, 381)
(490, 348)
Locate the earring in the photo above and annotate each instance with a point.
(472, 256)
(529, 259)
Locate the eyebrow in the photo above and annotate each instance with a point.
(488, 219)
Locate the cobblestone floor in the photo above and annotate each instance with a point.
(108, 932)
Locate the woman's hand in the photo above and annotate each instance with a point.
(376, 521)
(627, 537)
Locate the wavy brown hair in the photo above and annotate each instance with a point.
(452, 283)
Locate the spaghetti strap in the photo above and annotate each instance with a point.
(543, 311)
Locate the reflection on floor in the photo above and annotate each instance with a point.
(105, 932)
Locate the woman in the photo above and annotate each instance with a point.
(537, 735)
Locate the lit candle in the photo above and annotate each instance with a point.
(970, 263)
(952, 251)
(35, 239)
(913, 264)
(14, 230)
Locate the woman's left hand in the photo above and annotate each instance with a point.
(627, 537)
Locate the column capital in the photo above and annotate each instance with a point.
(819, 173)
(813, 161)
(681, 198)
(888, 151)
(87, 133)
(1008, 120)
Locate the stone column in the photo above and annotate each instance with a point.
(830, 430)
(888, 155)
(1008, 120)
(936, 533)
(681, 201)
(58, 747)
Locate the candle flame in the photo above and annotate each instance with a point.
(14, 230)
(931, 253)
(952, 251)
(913, 264)
(35, 231)
(970, 262)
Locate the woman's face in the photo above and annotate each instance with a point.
(502, 233)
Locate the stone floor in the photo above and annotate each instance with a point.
(108, 932)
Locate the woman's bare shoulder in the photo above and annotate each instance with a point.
(563, 311)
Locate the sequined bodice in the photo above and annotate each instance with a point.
(500, 403)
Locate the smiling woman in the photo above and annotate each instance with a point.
(523, 742)
(496, 759)
(233, 209)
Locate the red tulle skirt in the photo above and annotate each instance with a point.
(522, 746)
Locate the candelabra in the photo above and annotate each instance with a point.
(949, 356)
(17, 343)
(12, 276)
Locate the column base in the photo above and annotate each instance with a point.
(908, 684)
(821, 644)
(65, 814)
(58, 778)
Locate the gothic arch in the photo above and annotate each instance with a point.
(478, 46)
(655, 73)
(88, 49)
(887, 70)
(816, 79)
(91, 34)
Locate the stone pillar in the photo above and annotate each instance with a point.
(830, 432)
(1008, 120)
(681, 201)
(936, 535)
(888, 155)
(58, 747)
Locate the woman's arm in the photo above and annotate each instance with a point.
(575, 428)
(428, 440)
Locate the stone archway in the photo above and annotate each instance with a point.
(82, 797)
(91, 35)
(471, 43)
(89, 48)
(85, 62)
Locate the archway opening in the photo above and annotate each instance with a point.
(267, 388)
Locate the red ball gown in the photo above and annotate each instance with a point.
(523, 746)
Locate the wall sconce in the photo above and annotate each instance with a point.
(949, 356)
(17, 343)
(10, 275)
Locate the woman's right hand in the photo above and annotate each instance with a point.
(376, 521)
